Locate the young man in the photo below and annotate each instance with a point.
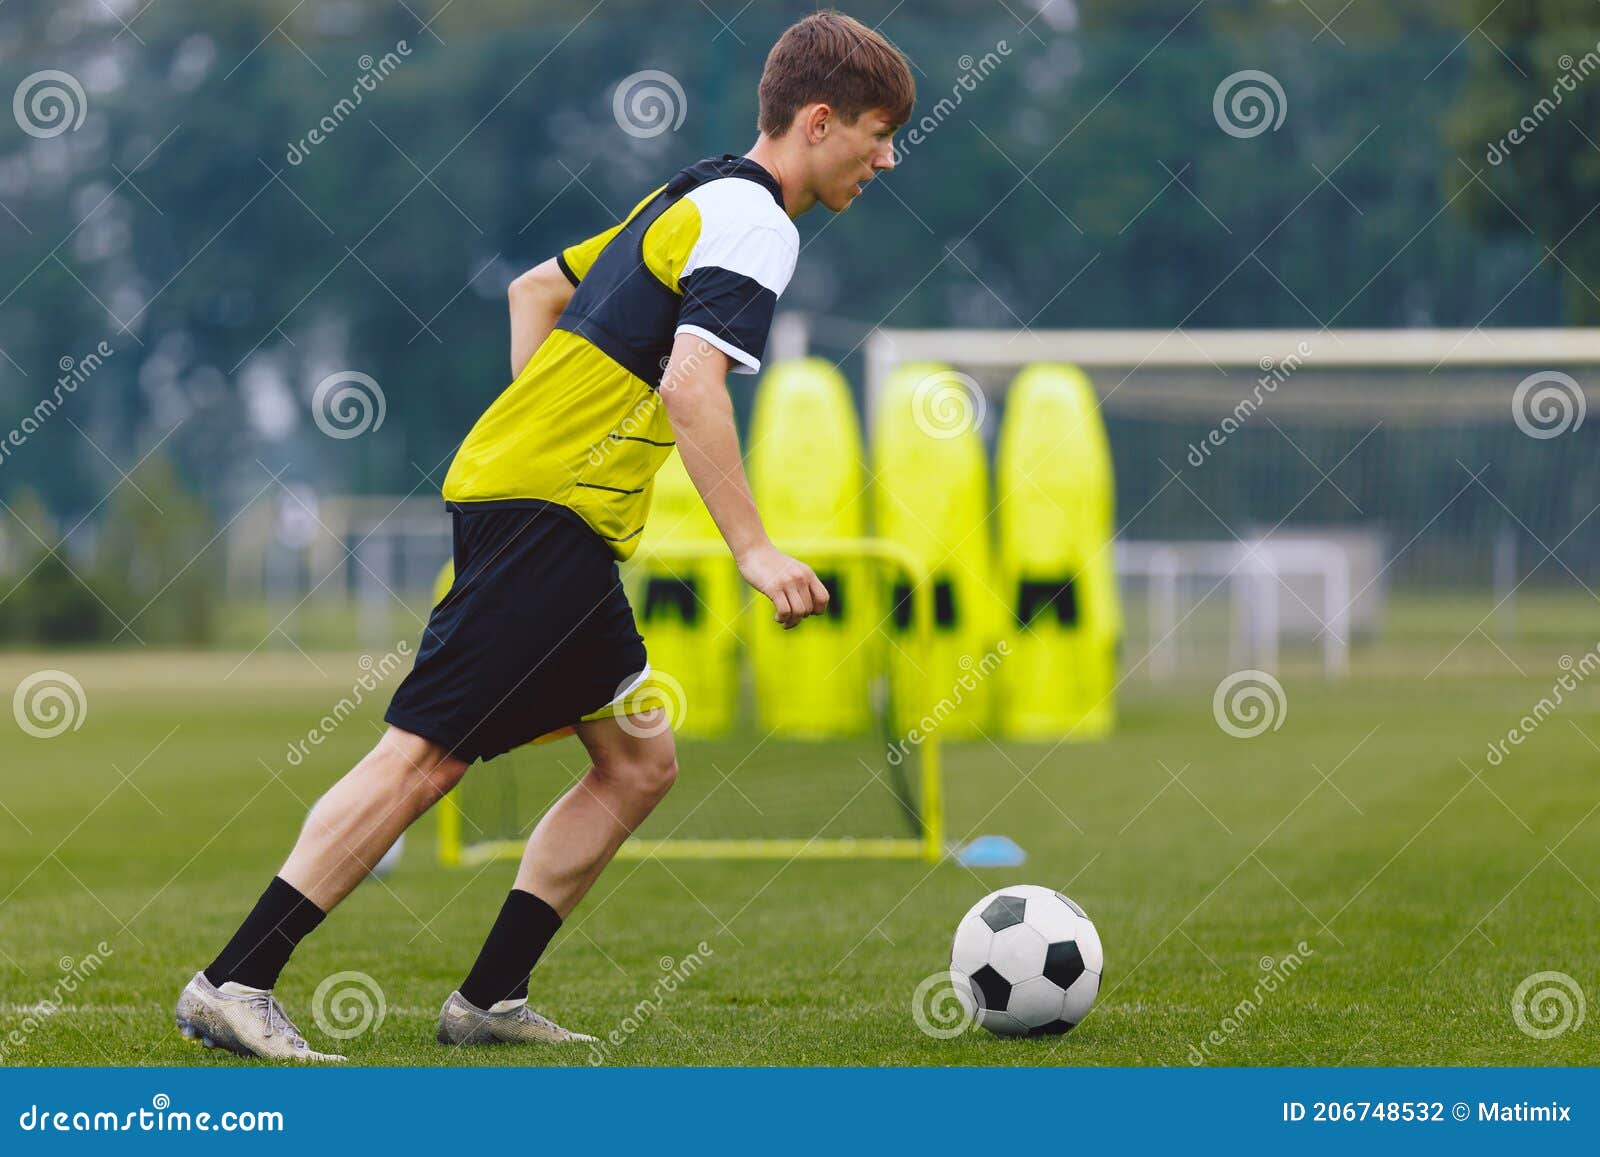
(619, 350)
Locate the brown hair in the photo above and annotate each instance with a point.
(832, 58)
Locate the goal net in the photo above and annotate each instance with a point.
(786, 752)
(1282, 493)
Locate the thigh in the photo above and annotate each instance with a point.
(634, 739)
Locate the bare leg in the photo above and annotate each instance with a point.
(362, 815)
(578, 836)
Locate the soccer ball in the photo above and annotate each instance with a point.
(1026, 961)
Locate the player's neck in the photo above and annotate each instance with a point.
(770, 155)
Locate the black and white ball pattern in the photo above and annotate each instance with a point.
(1026, 960)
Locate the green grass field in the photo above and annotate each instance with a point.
(1424, 894)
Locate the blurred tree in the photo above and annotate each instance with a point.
(152, 562)
(1527, 133)
(232, 263)
(44, 600)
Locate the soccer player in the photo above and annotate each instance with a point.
(619, 351)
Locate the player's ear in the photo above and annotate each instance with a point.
(816, 120)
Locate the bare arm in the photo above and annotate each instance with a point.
(537, 299)
(695, 394)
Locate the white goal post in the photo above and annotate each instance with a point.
(1430, 400)
(1257, 576)
(1178, 348)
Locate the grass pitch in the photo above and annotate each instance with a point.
(1425, 883)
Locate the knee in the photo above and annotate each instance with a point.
(647, 776)
(434, 781)
(664, 776)
(425, 769)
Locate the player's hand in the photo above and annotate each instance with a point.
(793, 587)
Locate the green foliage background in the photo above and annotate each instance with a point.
(1083, 182)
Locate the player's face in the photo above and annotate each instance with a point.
(854, 154)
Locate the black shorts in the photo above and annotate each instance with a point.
(535, 634)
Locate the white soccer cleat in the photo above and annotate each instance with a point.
(508, 1022)
(244, 1020)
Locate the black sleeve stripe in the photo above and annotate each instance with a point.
(612, 489)
(561, 260)
(735, 308)
(636, 438)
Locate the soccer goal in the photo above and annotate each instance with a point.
(1282, 493)
(807, 782)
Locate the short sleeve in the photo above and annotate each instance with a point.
(731, 284)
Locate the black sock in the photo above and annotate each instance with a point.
(261, 947)
(520, 933)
